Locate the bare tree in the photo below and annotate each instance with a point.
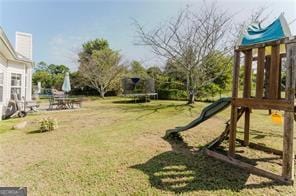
(101, 69)
(189, 40)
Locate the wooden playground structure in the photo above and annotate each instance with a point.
(272, 59)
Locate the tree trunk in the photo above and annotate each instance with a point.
(191, 98)
(102, 93)
(190, 89)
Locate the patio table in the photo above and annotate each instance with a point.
(65, 102)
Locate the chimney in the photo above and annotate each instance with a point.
(23, 44)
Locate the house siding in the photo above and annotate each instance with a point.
(9, 67)
(3, 69)
(12, 62)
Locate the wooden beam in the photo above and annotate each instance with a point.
(217, 141)
(262, 148)
(233, 117)
(247, 92)
(280, 79)
(282, 55)
(274, 72)
(247, 74)
(247, 127)
(270, 43)
(260, 73)
(260, 45)
(267, 74)
(235, 73)
(264, 104)
(288, 154)
(291, 40)
(247, 167)
(232, 134)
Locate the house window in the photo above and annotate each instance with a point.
(16, 83)
(1, 86)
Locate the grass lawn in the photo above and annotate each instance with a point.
(112, 147)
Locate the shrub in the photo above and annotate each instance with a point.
(173, 94)
(48, 124)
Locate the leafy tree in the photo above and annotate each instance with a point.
(137, 70)
(77, 80)
(154, 72)
(49, 75)
(44, 77)
(177, 75)
(57, 80)
(41, 66)
(93, 45)
(212, 89)
(222, 67)
(57, 69)
(100, 66)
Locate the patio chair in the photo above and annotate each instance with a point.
(77, 102)
(15, 108)
(52, 103)
(57, 93)
(31, 105)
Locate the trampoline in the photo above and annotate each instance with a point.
(139, 88)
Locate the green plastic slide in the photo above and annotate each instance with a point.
(206, 113)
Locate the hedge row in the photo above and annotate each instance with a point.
(166, 94)
(172, 94)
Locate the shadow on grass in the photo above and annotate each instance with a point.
(129, 105)
(158, 107)
(261, 134)
(151, 109)
(130, 101)
(186, 169)
(34, 131)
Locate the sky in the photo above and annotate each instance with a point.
(59, 28)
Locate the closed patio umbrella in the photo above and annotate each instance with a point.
(66, 85)
(39, 87)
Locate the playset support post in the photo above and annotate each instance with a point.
(288, 154)
(260, 73)
(247, 92)
(234, 111)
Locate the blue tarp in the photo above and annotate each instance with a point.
(256, 34)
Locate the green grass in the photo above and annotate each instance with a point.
(110, 147)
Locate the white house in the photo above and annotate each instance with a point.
(15, 68)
